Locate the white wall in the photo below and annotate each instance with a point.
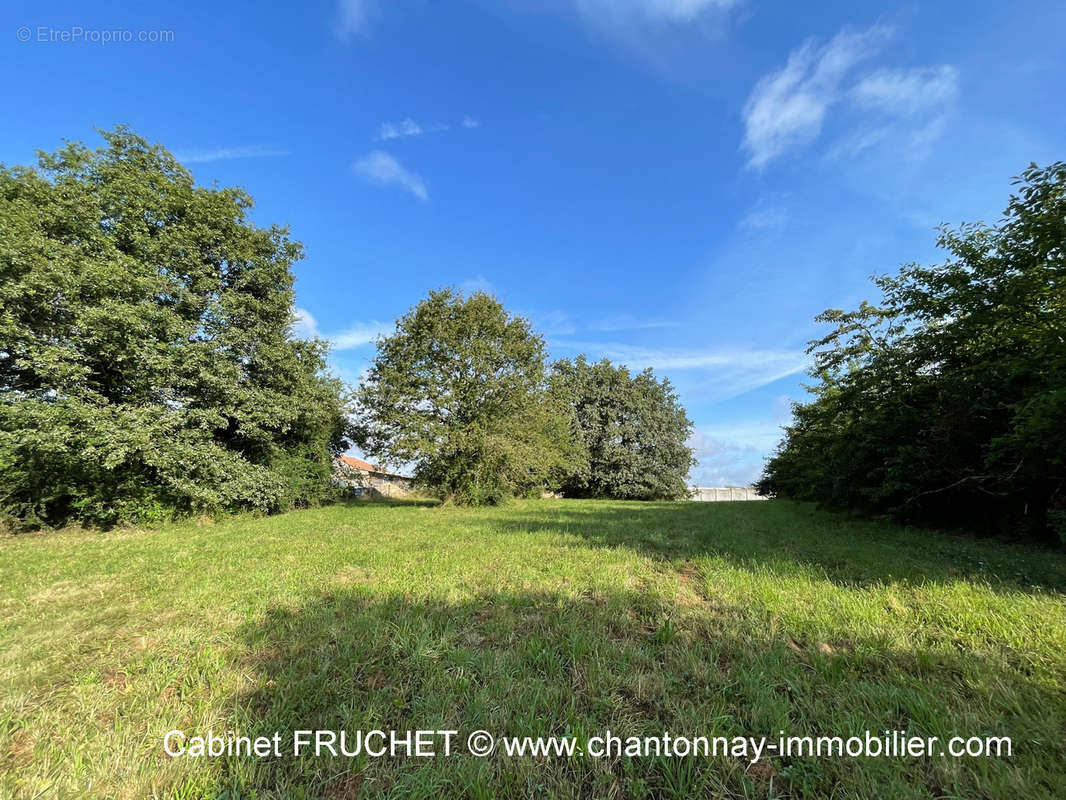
(710, 494)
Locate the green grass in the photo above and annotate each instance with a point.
(543, 617)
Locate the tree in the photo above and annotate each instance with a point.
(946, 404)
(459, 391)
(146, 362)
(633, 429)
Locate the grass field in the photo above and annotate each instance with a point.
(543, 617)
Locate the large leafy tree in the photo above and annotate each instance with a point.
(146, 362)
(946, 403)
(632, 427)
(459, 392)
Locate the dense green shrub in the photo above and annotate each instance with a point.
(946, 404)
(146, 362)
(632, 429)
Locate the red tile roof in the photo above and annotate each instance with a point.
(366, 466)
(358, 463)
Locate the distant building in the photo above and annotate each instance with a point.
(364, 479)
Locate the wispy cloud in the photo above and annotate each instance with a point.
(225, 153)
(557, 322)
(409, 127)
(305, 326)
(398, 130)
(907, 91)
(733, 453)
(907, 109)
(355, 335)
(401, 130)
(909, 141)
(721, 373)
(768, 214)
(358, 334)
(780, 362)
(723, 460)
(380, 169)
(788, 108)
(479, 283)
(353, 18)
(629, 322)
(551, 323)
(659, 34)
(612, 12)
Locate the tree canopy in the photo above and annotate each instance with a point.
(459, 391)
(946, 403)
(632, 428)
(146, 362)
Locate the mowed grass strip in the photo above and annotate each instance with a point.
(540, 618)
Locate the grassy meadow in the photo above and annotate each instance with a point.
(537, 618)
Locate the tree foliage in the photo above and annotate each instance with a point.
(459, 391)
(632, 428)
(146, 362)
(946, 403)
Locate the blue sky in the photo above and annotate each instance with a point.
(682, 184)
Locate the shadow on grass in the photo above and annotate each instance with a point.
(789, 536)
(632, 662)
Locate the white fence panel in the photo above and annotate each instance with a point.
(720, 494)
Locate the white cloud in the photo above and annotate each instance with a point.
(305, 326)
(353, 16)
(557, 322)
(226, 153)
(409, 127)
(660, 34)
(723, 461)
(907, 91)
(477, 284)
(909, 110)
(759, 434)
(624, 19)
(911, 142)
(359, 334)
(781, 363)
(766, 215)
(676, 11)
(722, 373)
(552, 323)
(733, 454)
(355, 335)
(786, 108)
(401, 130)
(629, 322)
(381, 169)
